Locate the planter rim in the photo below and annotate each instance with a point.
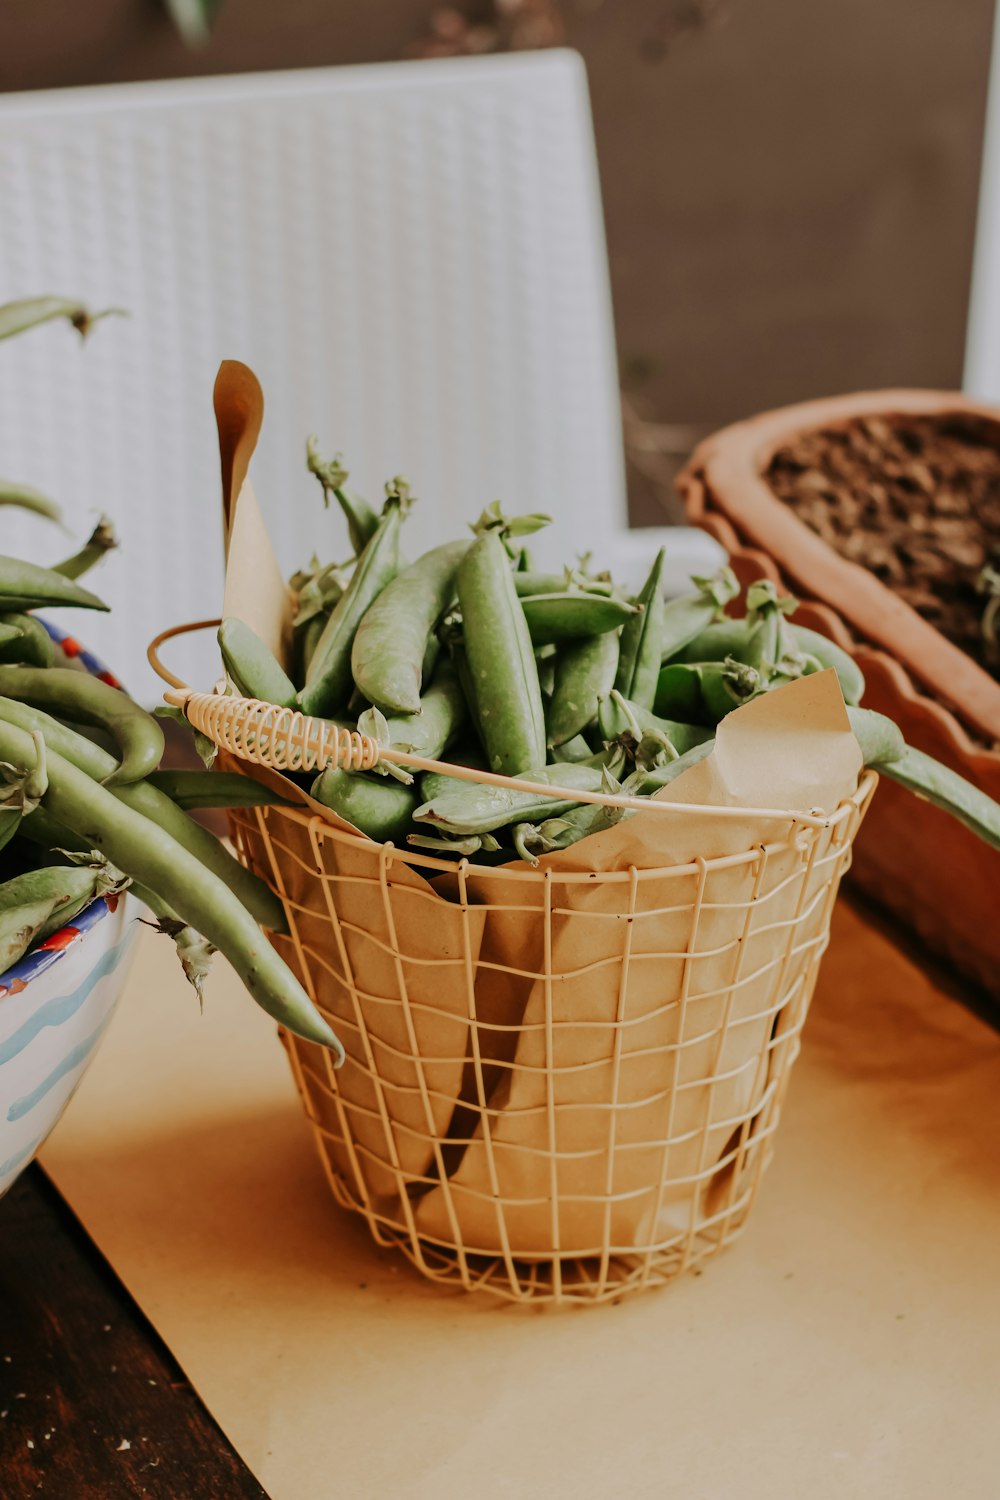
(730, 464)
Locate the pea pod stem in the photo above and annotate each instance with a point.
(29, 312)
(362, 523)
(101, 541)
(149, 855)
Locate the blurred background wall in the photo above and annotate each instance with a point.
(790, 186)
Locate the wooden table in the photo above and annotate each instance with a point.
(92, 1404)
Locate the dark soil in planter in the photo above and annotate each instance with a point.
(915, 500)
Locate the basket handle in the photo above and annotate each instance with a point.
(284, 739)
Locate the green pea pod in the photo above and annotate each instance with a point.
(572, 751)
(150, 856)
(307, 639)
(573, 616)
(529, 584)
(532, 840)
(880, 739)
(731, 638)
(101, 541)
(74, 695)
(252, 667)
(66, 888)
(8, 632)
(545, 665)
(585, 673)
(193, 790)
(617, 716)
(501, 662)
(944, 788)
(28, 312)
(30, 642)
(391, 641)
(639, 652)
(475, 843)
(24, 585)
(442, 716)
(469, 808)
(20, 927)
(146, 800)
(646, 783)
(27, 498)
(703, 692)
(380, 808)
(328, 676)
(771, 649)
(685, 617)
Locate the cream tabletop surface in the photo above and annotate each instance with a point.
(847, 1345)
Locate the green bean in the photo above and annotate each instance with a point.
(252, 667)
(142, 798)
(685, 617)
(24, 585)
(617, 716)
(380, 808)
(639, 652)
(30, 642)
(28, 312)
(704, 692)
(880, 739)
(470, 808)
(144, 851)
(328, 676)
(392, 638)
(101, 541)
(573, 616)
(191, 790)
(75, 695)
(502, 667)
(362, 522)
(944, 788)
(730, 638)
(27, 498)
(585, 673)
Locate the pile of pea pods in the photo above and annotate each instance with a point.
(469, 656)
(84, 810)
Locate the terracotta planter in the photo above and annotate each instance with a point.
(911, 858)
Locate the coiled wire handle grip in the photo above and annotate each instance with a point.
(284, 739)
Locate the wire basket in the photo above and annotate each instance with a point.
(560, 1085)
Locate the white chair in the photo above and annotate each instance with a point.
(410, 256)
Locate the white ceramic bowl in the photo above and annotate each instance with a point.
(55, 1005)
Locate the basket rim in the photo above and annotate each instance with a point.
(469, 868)
(228, 719)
